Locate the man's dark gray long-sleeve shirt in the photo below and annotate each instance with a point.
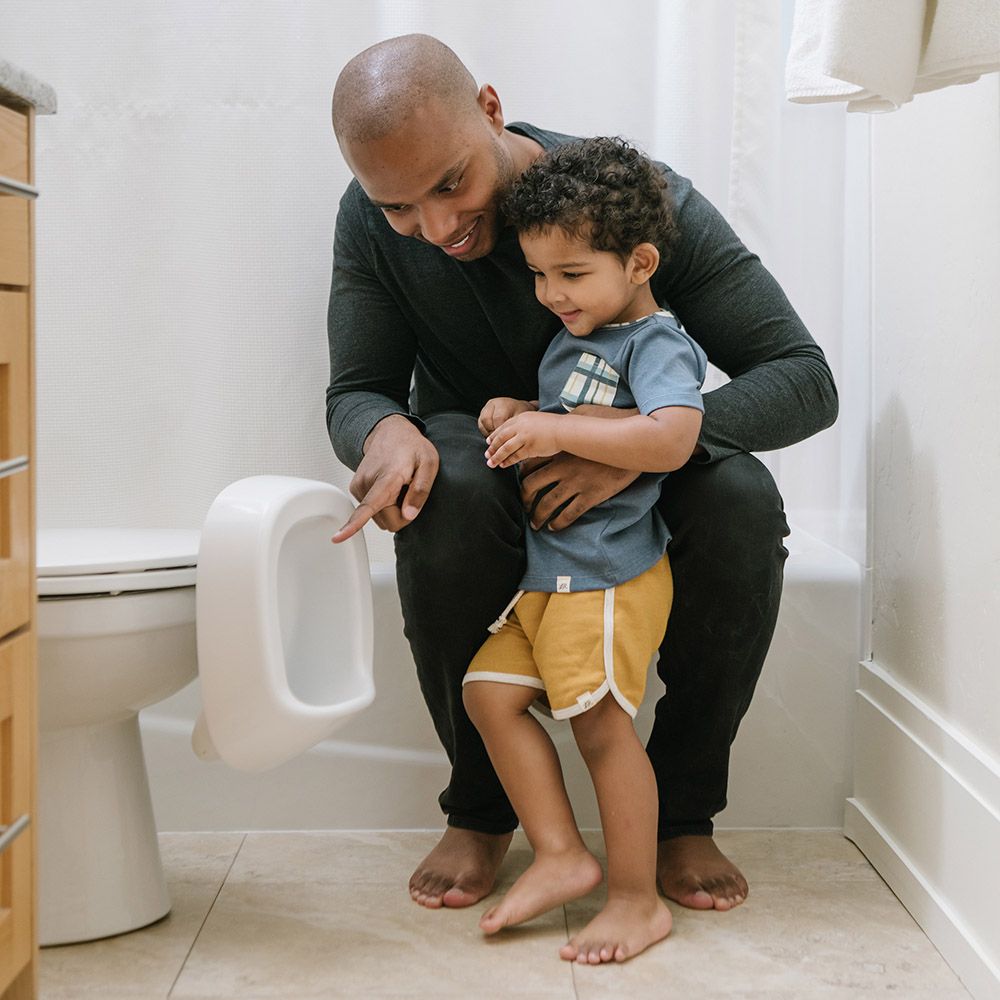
(414, 332)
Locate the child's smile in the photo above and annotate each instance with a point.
(584, 287)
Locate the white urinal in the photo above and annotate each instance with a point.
(284, 621)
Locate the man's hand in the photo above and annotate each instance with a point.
(500, 409)
(528, 435)
(394, 477)
(548, 484)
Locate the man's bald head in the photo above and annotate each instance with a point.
(381, 87)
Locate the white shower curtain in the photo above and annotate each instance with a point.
(189, 190)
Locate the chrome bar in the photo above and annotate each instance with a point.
(10, 186)
(8, 834)
(13, 465)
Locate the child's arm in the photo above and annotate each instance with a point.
(660, 442)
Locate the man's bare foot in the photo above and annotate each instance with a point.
(692, 871)
(620, 931)
(549, 881)
(461, 869)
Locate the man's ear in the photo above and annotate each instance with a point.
(644, 259)
(489, 103)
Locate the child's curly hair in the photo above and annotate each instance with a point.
(602, 191)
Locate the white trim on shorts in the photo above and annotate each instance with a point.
(493, 675)
(589, 699)
(609, 653)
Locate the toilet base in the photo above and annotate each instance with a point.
(99, 869)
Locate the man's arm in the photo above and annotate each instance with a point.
(372, 347)
(782, 390)
(372, 353)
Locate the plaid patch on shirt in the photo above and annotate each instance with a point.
(593, 380)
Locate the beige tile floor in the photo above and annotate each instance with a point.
(310, 915)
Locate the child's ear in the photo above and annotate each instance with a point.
(644, 260)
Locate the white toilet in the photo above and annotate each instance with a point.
(284, 648)
(116, 632)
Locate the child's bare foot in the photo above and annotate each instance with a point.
(551, 880)
(620, 931)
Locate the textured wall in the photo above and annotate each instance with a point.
(936, 405)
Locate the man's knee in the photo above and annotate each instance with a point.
(473, 514)
(734, 501)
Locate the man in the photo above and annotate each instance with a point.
(432, 313)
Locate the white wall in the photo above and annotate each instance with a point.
(936, 403)
(927, 777)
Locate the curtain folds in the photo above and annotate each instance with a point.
(190, 186)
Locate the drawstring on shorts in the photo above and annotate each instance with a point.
(502, 620)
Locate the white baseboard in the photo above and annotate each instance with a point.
(926, 813)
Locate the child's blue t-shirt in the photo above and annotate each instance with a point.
(648, 364)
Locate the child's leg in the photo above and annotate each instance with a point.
(528, 767)
(634, 917)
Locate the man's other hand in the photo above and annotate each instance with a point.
(567, 482)
(394, 478)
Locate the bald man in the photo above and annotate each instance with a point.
(432, 313)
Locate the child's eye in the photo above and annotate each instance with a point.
(390, 209)
(448, 188)
(571, 275)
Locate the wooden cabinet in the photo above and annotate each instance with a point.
(17, 794)
(18, 683)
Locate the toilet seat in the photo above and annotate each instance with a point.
(111, 561)
(285, 633)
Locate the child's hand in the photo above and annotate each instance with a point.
(526, 435)
(500, 409)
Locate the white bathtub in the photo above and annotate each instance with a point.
(385, 768)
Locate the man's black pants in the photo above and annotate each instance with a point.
(459, 563)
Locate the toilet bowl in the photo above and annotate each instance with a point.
(283, 646)
(116, 632)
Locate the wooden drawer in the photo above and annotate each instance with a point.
(16, 583)
(17, 776)
(15, 205)
(15, 223)
(13, 145)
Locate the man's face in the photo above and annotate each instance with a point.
(438, 181)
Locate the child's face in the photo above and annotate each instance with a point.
(584, 287)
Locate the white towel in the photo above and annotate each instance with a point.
(876, 54)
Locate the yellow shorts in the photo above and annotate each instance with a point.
(577, 647)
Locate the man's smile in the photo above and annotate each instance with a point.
(460, 246)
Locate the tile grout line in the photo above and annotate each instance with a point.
(208, 913)
(572, 965)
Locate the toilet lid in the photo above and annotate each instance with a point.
(112, 560)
